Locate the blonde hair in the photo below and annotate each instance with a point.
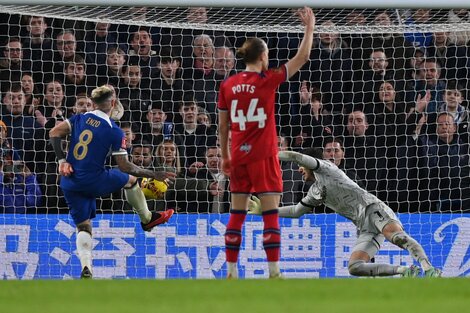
(101, 96)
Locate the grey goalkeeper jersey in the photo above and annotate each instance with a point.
(333, 188)
(342, 194)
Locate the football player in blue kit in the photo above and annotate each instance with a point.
(93, 136)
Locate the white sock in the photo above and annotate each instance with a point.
(136, 198)
(232, 269)
(401, 269)
(84, 247)
(274, 269)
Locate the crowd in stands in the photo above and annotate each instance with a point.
(390, 109)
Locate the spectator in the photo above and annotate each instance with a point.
(7, 153)
(452, 58)
(66, 50)
(358, 43)
(224, 62)
(99, 41)
(315, 123)
(366, 83)
(204, 118)
(192, 138)
(141, 47)
(211, 171)
(452, 104)
(419, 16)
(111, 72)
(27, 136)
(393, 44)
(444, 167)
(361, 152)
(30, 93)
(83, 104)
(157, 128)
(19, 188)
(428, 78)
(37, 47)
(330, 67)
(197, 15)
(12, 64)
(142, 154)
(129, 134)
(333, 151)
(394, 122)
(414, 65)
(134, 93)
(167, 84)
(188, 195)
(52, 108)
(76, 80)
(458, 16)
(199, 76)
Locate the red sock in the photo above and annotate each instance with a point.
(272, 235)
(233, 235)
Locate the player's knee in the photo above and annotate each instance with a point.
(84, 227)
(355, 267)
(400, 239)
(131, 182)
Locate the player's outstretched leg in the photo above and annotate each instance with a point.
(136, 198)
(396, 235)
(233, 240)
(84, 247)
(364, 269)
(359, 262)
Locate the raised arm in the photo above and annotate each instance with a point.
(299, 158)
(130, 168)
(303, 53)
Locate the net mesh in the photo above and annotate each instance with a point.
(376, 80)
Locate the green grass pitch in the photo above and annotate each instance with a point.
(238, 296)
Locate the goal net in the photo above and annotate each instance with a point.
(384, 93)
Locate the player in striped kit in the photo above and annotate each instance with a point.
(375, 221)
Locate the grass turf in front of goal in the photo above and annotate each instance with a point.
(240, 296)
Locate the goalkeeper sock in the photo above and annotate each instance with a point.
(404, 241)
(136, 198)
(84, 246)
(361, 268)
(272, 240)
(233, 235)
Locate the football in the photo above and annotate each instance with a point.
(153, 189)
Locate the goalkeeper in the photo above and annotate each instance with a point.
(372, 217)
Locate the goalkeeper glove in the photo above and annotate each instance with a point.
(254, 206)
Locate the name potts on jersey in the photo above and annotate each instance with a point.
(243, 88)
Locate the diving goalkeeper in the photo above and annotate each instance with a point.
(372, 217)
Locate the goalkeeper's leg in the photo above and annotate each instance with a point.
(395, 234)
(367, 246)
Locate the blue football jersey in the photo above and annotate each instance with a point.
(93, 136)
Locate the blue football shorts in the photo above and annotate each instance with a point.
(81, 195)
